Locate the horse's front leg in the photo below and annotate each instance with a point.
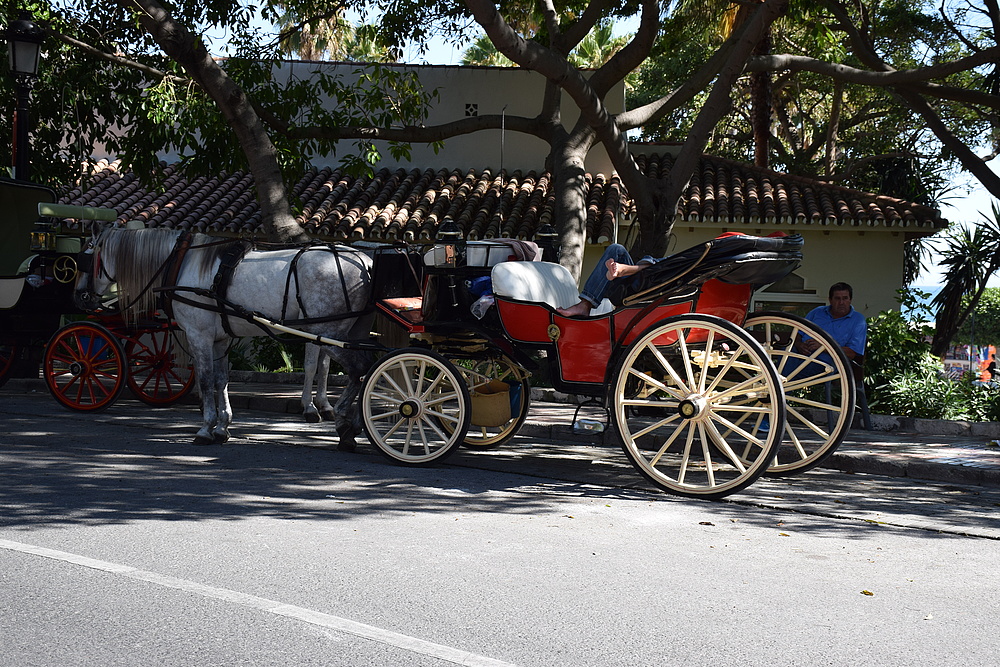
(314, 363)
(224, 412)
(205, 371)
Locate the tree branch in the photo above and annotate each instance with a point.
(409, 133)
(633, 54)
(885, 77)
(152, 72)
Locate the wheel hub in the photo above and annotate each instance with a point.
(693, 407)
(76, 368)
(409, 409)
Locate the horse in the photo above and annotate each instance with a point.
(214, 288)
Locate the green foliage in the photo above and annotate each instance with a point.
(896, 345)
(985, 319)
(83, 104)
(907, 162)
(922, 391)
(266, 354)
(903, 378)
(969, 255)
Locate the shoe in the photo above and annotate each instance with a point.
(765, 425)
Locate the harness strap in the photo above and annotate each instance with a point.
(176, 258)
(230, 309)
(230, 257)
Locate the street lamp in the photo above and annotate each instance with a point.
(24, 45)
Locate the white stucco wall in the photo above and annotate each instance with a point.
(509, 91)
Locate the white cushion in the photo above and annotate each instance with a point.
(542, 282)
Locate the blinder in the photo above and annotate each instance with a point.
(85, 260)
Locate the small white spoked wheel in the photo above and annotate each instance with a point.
(415, 406)
(818, 386)
(505, 370)
(691, 399)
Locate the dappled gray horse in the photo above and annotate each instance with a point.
(215, 287)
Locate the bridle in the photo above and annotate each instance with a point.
(89, 263)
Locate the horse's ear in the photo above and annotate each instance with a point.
(96, 227)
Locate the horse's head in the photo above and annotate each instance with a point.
(95, 275)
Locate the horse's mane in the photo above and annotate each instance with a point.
(139, 258)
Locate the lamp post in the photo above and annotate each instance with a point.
(24, 44)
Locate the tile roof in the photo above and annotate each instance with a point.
(409, 205)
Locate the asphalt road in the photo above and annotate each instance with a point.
(121, 544)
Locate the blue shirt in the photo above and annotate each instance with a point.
(849, 331)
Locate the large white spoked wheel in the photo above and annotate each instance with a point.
(690, 397)
(504, 369)
(415, 406)
(818, 386)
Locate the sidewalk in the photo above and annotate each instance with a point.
(940, 451)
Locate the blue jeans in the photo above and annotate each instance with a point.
(597, 283)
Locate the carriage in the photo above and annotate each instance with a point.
(704, 396)
(89, 360)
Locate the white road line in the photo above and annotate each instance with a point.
(337, 623)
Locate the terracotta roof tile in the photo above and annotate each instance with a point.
(411, 205)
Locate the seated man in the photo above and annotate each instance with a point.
(847, 326)
(616, 263)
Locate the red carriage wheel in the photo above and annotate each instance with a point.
(8, 352)
(160, 372)
(84, 367)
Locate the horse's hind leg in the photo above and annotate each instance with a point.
(322, 399)
(314, 363)
(347, 419)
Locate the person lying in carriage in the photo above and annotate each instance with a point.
(616, 274)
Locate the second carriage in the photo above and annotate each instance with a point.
(86, 360)
(704, 396)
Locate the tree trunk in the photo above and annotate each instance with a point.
(655, 220)
(569, 181)
(189, 51)
(834, 129)
(760, 107)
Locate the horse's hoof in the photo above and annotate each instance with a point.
(221, 438)
(313, 417)
(202, 440)
(328, 415)
(346, 445)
